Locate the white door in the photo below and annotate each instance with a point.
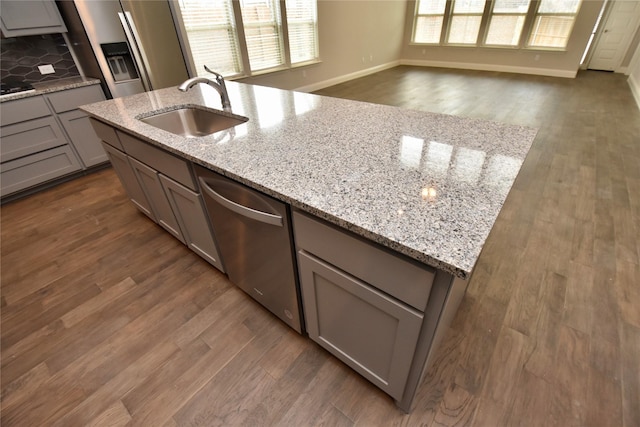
(617, 31)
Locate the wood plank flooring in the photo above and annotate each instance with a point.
(108, 320)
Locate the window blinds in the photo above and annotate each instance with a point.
(302, 24)
(507, 21)
(225, 34)
(465, 21)
(212, 35)
(263, 33)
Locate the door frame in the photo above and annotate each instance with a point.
(608, 7)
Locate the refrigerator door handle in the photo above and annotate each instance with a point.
(133, 38)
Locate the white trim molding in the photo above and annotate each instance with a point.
(635, 89)
(634, 75)
(347, 77)
(492, 67)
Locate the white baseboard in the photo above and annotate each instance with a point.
(635, 89)
(347, 77)
(492, 67)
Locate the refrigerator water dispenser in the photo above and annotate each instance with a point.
(120, 61)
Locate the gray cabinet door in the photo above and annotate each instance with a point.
(150, 182)
(189, 210)
(82, 136)
(121, 165)
(22, 110)
(27, 18)
(25, 138)
(71, 99)
(38, 168)
(366, 329)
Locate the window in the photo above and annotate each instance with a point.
(263, 33)
(553, 23)
(429, 19)
(245, 37)
(546, 24)
(465, 21)
(302, 23)
(507, 21)
(212, 36)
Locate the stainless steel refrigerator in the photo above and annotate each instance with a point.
(131, 46)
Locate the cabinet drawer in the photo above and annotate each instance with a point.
(165, 163)
(31, 170)
(23, 139)
(369, 331)
(22, 110)
(106, 133)
(402, 278)
(73, 98)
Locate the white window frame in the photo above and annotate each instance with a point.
(572, 16)
(525, 35)
(494, 14)
(418, 15)
(452, 14)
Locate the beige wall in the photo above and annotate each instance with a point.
(349, 30)
(564, 64)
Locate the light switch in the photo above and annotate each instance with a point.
(46, 69)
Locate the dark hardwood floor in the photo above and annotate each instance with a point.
(108, 320)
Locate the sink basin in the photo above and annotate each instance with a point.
(192, 122)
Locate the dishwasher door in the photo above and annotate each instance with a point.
(253, 232)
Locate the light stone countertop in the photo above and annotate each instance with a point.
(52, 86)
(429, 186)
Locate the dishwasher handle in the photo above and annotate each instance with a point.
(245, 211)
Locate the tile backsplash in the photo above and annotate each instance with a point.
(22, 55)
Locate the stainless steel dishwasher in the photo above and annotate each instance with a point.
(253, 232)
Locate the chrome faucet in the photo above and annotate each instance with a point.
(218, 85)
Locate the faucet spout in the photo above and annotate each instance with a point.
(218, 85)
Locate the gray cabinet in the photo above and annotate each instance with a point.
(149, 179)
(123, 169)
(27, 18)
(163, 188)
(33, 147)
(364, 304)
(29, 137)
(188, 207)
(37, 168)
(33, 127)
(76, 123)
(369, 331)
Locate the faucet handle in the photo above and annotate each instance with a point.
(218, 76)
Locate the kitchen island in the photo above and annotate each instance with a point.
(424, 188)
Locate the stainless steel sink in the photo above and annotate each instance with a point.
(192, 122)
